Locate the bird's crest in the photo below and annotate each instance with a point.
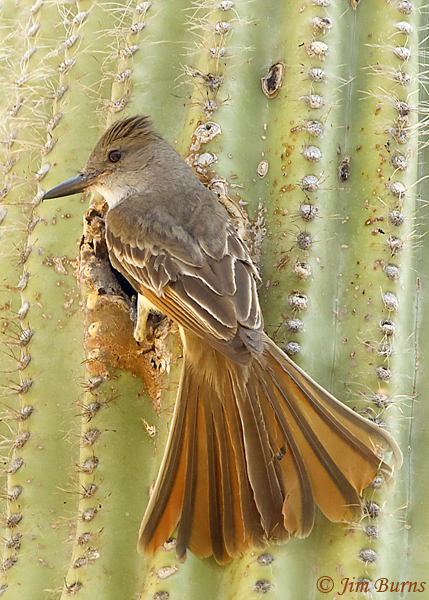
(138, 128)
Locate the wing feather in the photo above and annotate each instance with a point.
(212, 293)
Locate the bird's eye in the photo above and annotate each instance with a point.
(115, 155)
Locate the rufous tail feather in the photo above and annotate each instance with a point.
(252, 450)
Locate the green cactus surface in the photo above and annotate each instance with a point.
(309, 119)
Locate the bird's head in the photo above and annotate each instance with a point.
(113, 167)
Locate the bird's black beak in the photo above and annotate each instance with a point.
(75, 185)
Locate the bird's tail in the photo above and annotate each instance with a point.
(252, 449)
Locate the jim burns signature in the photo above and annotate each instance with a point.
(325, 584)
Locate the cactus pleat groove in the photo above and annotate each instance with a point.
(326, 171)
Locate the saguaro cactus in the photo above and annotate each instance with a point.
(309, 121)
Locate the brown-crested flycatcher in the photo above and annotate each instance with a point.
(254, 443)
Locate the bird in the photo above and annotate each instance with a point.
(254, 444)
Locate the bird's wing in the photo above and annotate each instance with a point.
(213, 296)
